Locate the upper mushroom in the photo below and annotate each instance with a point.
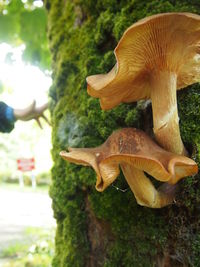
(155, 57)
(136, 153)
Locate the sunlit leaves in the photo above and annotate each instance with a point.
(23, 22)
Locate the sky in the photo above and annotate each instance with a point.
(24, 83)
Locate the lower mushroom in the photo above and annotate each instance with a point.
(136, 153)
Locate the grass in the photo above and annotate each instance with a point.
(36, 253)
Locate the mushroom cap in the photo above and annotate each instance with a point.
(133, 147)
(164, 42)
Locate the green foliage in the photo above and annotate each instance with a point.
(83, 35)
(36, 254)
(43, 178)
(25, 23)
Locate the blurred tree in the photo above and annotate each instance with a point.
(25, 22)
(1, 87)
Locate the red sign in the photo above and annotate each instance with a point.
(26, 165)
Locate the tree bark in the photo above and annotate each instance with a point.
(110, 229)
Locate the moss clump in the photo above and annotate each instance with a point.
(82, 37)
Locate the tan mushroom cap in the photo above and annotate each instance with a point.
(165, 42)
(135, 152)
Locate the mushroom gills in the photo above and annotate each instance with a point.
(136, 153)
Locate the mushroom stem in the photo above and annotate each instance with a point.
(144, 191)
(165, 114)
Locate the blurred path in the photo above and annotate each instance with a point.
(20, 210)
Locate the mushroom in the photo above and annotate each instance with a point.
(155, 57)
(136, 153)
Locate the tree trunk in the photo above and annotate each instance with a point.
(110, 229)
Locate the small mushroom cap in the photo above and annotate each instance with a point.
(165, 42)
(133, 147)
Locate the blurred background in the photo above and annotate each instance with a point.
(26, 218)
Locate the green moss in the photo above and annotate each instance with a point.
(189, 111)
(82, 37)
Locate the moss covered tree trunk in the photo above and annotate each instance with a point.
(109, 229)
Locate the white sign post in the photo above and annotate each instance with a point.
(26, 165)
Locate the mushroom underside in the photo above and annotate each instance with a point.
(133, 168)
(155, 57)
